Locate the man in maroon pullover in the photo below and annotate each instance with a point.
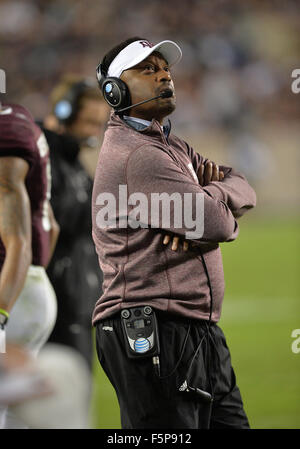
(151, 188)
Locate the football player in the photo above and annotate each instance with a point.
(28, 234)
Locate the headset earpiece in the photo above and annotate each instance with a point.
(114, 90)
(66, 108)
(116, 93)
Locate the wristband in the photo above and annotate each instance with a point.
(4, 312)
(4, 315)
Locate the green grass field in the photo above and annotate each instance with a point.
(260, 310)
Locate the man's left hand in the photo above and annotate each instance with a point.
(209, 172)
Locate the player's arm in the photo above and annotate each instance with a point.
(15, 229)
(53, 233)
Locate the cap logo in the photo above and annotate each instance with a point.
(146, 44)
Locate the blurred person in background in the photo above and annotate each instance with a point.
(73, 131)
(28, 234)
(20, 378)
(44, 392)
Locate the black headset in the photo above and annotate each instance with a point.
(66, 108)
(114, 90)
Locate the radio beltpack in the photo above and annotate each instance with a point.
(139, 325)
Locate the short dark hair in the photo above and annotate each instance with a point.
(110, 56)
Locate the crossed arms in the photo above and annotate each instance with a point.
(227, 194)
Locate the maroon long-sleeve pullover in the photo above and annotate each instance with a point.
(138, 268)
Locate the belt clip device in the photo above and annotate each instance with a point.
(140, 330)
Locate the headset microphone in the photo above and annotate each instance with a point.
(165, 94)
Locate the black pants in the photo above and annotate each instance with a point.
(149, 402)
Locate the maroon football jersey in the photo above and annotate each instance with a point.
(21, 137)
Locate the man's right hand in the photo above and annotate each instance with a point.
(209, 172)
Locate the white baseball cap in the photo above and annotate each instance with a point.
(138, 51)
